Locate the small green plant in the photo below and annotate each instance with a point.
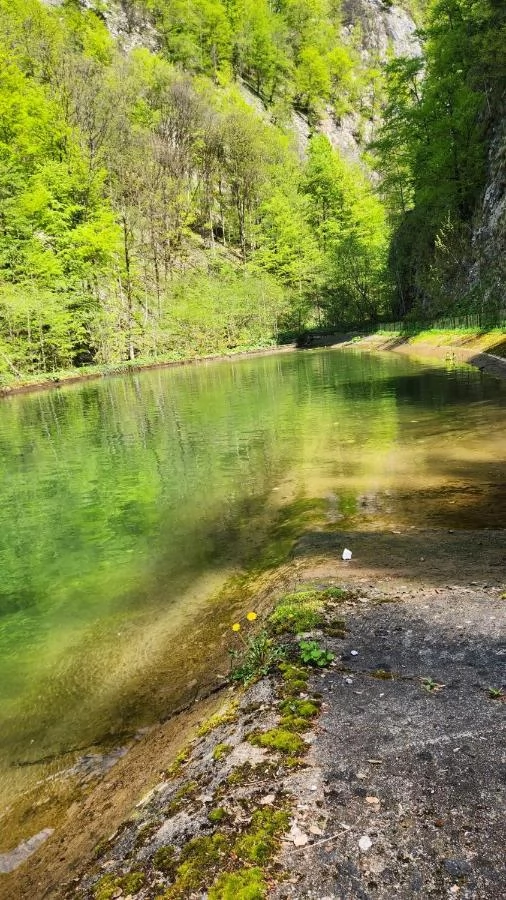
(257, 655)
(312, 654)
(431, 686)
(496, 693)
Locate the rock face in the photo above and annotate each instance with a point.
(384, 28)
(125, 20)
(489, 237)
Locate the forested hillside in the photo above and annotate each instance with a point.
(168, 186)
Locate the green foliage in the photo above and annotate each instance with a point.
(433, 151)
(313, 655)
(259, 655)
(147, 210)
(349, 223)
(496, 693)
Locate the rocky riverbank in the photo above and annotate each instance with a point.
(377, 775)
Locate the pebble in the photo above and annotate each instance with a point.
(297, 837)
(365, 843)
(457, 867)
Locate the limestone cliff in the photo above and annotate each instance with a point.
(489, 234)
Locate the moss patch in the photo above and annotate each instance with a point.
(164, 860)
(297, 714)
(174, 770)
(382, 674)
(199, 861)
(280, 740)
(109, 885)
(246, 884)
(295, 680)
(222, 717)
(217, 815)
(297, 612)
(220, 751)
(258, 844)
(246, 773)
(186, 792)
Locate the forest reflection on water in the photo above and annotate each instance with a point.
(127, 503)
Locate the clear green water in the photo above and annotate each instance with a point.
(126, 503)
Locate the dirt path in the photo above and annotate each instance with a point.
(416, 769)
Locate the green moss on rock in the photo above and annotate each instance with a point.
(164, 860)
(258, 844)
(245, 884)
(199, 860)
(297, 612)
(186, 792)
(220, 751)
(222, 717)
(217, 815)
(280, 740)
(109, 885)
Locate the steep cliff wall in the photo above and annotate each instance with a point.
(489, 237)
(381, 31)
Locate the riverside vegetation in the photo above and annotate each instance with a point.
(231, 852)
(149, 212)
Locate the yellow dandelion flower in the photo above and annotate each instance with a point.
(236, 626)
(251, 616)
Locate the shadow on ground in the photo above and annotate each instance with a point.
(429, 557)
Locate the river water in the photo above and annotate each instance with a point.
(126, 503)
